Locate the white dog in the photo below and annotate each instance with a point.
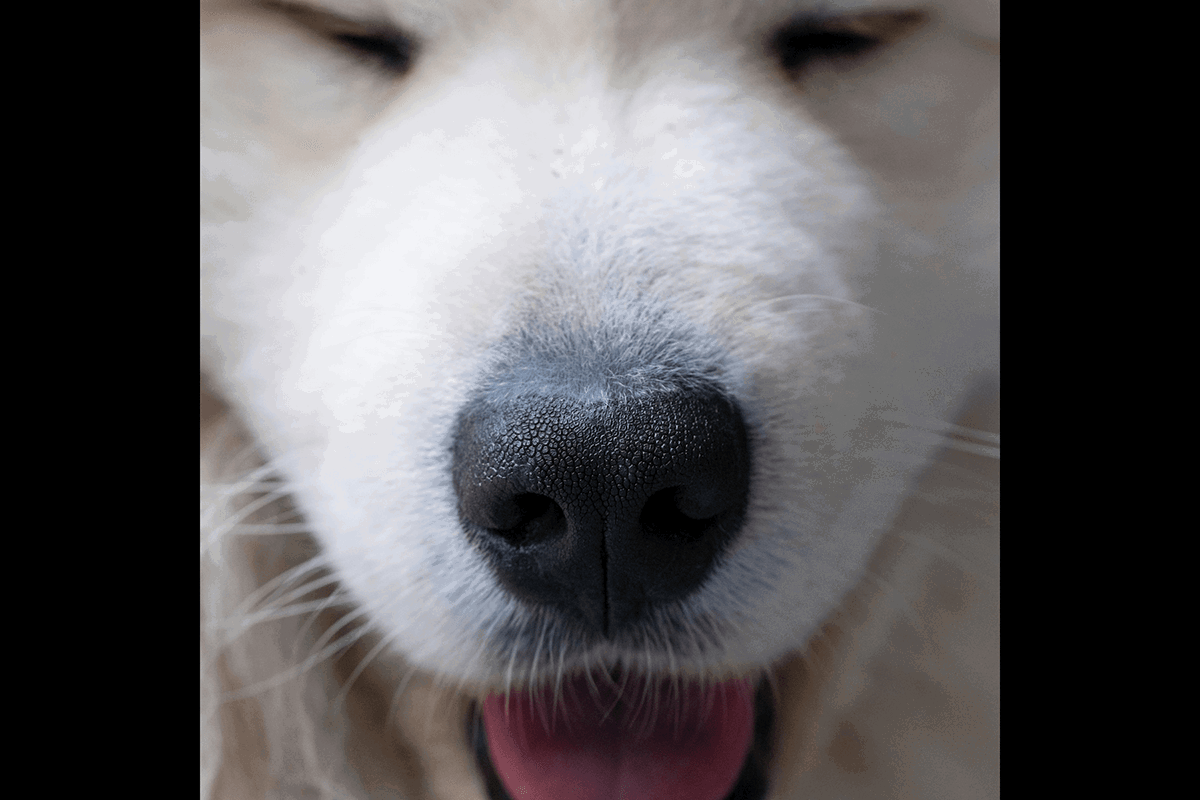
(597, 399)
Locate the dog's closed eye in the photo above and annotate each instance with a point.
(810, 38)
(391, 49)
(379, 44)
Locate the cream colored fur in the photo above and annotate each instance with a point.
(826, 243)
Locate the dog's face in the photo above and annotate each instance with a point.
(596, 336)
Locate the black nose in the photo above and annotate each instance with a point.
(603, 509)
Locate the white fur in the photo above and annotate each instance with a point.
(828, 247)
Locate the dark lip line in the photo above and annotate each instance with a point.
(753, 781)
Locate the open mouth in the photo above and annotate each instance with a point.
(596, 738)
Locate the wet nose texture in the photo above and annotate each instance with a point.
(603, 510)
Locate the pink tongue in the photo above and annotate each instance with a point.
(669, 742)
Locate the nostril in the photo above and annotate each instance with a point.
(676, 515)
(530, 518)
(520, 518)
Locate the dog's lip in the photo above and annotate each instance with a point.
(752, 782)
